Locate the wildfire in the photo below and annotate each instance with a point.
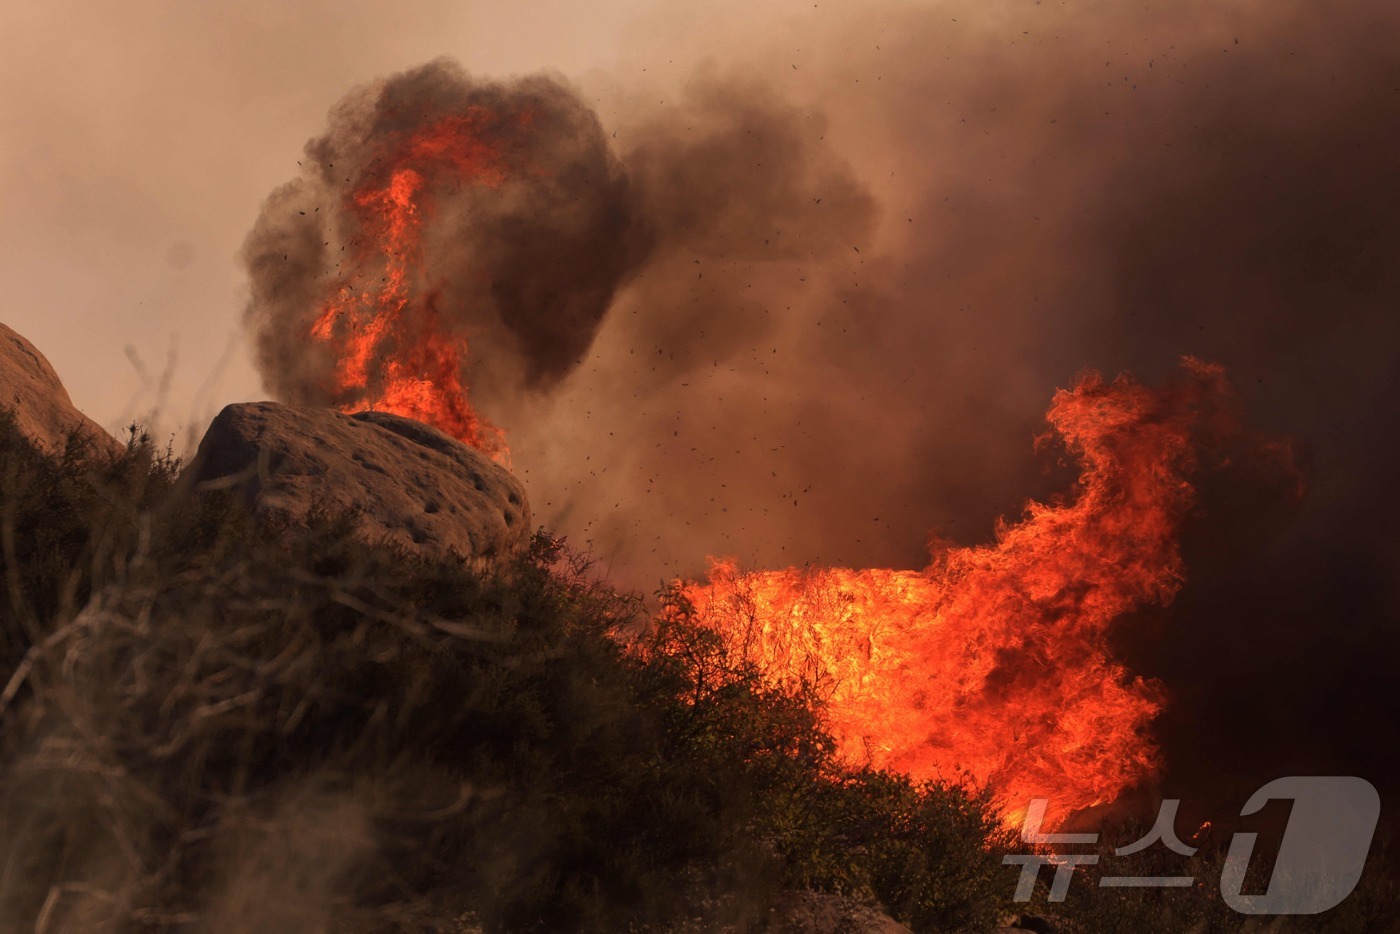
(994, 660)
(390, 352)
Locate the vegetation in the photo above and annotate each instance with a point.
(218, 722)
(214, 722)
(1089, 908)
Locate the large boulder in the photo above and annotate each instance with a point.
(410, 484)
(43, 411)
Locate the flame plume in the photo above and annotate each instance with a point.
(443, 230)
(388, 346)
(994, 660)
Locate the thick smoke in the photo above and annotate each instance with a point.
(847, 269)
(527, 263)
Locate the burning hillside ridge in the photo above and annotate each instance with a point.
(995, 659)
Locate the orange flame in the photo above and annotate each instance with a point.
(389, 349)
(994, 660)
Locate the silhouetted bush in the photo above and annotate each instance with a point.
(216, 720)
(1089, 907)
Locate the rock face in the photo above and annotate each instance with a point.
(413, 485)
(43, 410)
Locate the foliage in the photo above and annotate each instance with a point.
(211, 719)
(929, 854)
(1089, 907)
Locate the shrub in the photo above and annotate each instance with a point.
(214, 720)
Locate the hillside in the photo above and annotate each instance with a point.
(231, 722)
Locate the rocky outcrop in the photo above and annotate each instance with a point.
(410, 484)
(43, 411)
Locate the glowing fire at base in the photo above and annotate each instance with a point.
(390, 353)
(994, 660)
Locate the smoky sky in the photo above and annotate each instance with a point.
(815, 295)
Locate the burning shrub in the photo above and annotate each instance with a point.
(928, 852)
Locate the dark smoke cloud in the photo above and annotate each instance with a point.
(726, 216)
(526, 266)
(856, 266)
